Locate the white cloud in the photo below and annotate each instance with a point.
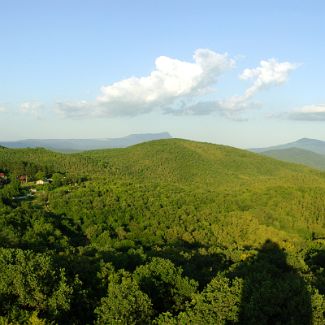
(2, 109)
(268, 73)
(33, 108)
(171, 81)
(308, 113)
(179, 88)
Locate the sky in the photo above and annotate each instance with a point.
(241, 73)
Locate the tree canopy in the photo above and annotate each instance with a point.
(166, 232)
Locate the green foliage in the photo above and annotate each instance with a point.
(125, 303)
(274, 292)
(164, 284)
(167, 232)
(29, 281)
(57, 180)
(219, 303)
(40, 175)
(9, 191)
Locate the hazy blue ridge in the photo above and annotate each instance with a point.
(316, 146)
(86, 144)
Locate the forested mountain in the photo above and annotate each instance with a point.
(70, 145)
(313, 145)
(164, 232)
(298, 156)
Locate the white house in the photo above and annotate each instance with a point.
(41, 182)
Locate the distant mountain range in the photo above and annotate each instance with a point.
(70, 145)
(305, 151)
(313, 145)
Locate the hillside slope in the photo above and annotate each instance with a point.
(299, 156)
(189, 162)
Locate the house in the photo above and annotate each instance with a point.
(41, 182)
(2, 175)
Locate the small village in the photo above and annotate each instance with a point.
(30, 186)
(23, 179)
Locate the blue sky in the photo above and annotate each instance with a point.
(242, 73)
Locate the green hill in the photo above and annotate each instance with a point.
(298, 156)
(187, 162)
(164, 232)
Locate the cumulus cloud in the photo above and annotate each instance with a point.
(171, 81)
(268, 73)
(179, 88)
(33, 108)
(308, 113)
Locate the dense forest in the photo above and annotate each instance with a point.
(165, 232)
